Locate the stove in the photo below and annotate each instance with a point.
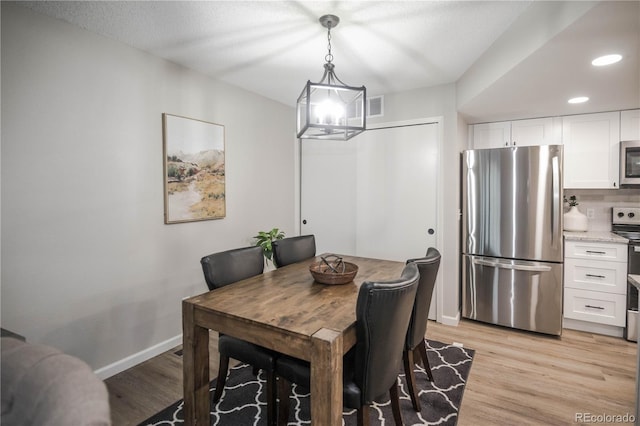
(626, 223)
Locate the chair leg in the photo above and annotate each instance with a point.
(363, 415)
(284, 390)
(395, 403)
(222, 377)
(407, 357)
(422, 348)
(271, 398)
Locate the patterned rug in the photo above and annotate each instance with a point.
(243, 401)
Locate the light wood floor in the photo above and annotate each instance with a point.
(517, 378)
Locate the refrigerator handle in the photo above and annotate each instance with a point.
(484, 262)
(555, 236)
(516, 266)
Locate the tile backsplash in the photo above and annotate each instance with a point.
(602, 201)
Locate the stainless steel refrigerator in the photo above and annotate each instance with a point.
(512, 245)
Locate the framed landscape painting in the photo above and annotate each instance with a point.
(194, 171)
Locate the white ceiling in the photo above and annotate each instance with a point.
(274, 47)
(541, 83)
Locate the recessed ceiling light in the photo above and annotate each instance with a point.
(578, 100)
(606, 60)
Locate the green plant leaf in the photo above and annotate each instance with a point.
(264, 239)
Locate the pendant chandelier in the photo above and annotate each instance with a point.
(330, 109)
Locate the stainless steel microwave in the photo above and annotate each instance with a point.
(630, 164)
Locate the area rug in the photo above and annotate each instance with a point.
(243, 399)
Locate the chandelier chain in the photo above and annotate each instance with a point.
(329, 56)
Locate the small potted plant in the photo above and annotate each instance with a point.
(572, 201)
(264, 240)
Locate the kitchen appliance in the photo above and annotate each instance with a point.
(626, 223)
(630, 164)
(512, 245)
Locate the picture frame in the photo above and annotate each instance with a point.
(194, 169)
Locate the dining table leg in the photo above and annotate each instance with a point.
(326, 378)
(195, 368)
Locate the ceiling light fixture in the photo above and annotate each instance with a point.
(578, 100)
(330, 109)
(606, 60)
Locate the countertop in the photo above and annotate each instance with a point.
(635, 280)
(595, 236)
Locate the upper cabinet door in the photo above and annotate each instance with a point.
(491, 135)
(536, 131)
(591, 150)
(630, 125)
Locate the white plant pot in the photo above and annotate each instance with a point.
(268, 265)
(574, 220)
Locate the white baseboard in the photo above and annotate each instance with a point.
(592, 327)
(447, 320)
(135, 359)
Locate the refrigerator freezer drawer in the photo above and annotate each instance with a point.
(520, 294)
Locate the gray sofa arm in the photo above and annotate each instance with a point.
(43, 386)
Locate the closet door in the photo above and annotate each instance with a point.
(397, 181)
(328, 194)
(374, 195)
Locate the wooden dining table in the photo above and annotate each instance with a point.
(287, 311)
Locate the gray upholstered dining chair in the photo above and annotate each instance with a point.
(371, 367)
(224, 268)
(414, 345)
(293, 249)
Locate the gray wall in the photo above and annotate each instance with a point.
(88, 264)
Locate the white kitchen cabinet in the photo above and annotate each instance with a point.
(536, 131)
(592, 306)
(490, 135)
(591, 150)
(595, 282)
(630, 125)
(588, 250)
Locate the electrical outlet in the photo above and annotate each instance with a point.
(590, 213)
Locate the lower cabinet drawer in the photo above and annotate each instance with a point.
(610, 277)
(614, 252)
(595, 306)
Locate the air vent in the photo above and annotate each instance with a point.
(375, 108)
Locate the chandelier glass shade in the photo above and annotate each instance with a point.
(330, 109)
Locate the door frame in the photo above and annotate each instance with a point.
(439, 121)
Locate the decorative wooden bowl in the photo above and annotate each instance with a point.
(333, 270)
